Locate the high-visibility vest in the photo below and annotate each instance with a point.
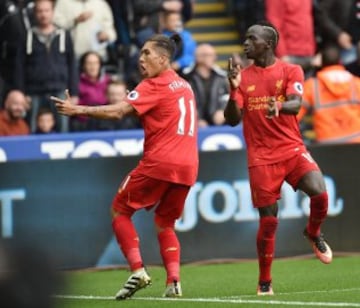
(336, 111)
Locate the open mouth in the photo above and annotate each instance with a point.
(142, 70)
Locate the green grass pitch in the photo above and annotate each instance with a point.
(296, 283)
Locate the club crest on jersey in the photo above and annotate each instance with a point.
(299, 87)
(250, 88)
(133, 95)
(278, 85)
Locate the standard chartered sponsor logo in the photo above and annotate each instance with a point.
(220, 201)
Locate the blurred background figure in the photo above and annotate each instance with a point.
(148, 17)
(45, 122)
(294, 20)
(92, 90)
(12, 121)
(247, 13)
(91, 24)
(333, 99)
(122, 54)
(116, 92)
(339, 23)
(46, 65)
(16, 16)
(27, 277)
(135, 22)
(354, 66)
(186, 55)
(210, 85)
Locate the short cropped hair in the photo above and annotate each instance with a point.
(271, 32)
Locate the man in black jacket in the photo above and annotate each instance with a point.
(338, 22)
(46, 64)
(15, 17)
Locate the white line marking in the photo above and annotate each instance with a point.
(252, 301)
(232, 300)
(85, 297)
(300, 292)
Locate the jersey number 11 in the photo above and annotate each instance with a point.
(183, 107)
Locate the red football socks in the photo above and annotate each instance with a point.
(318, 211)
(170, 254)
(265, 242)
(128, 240)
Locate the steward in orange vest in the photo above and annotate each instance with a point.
(333, 98)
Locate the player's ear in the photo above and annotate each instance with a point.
(162, 59)
(271, 44)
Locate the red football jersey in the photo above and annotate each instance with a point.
(167, 110)
(270, 140)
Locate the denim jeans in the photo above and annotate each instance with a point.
(43, 101)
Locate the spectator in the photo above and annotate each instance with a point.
(186, 55)
(12, 116)
(354, 66)
(91, 23)
(46, 64)
(210, 86)
(45, 122)
(136, 21)
(148, 15)
(333, 97)
(295, 23)
(187, 10)
(246, 13)
(123, 53)
(14, 21)
(92, 89)
(339, 23)
(116, 92)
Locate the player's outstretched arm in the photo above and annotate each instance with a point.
(116, 111)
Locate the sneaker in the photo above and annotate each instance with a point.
(321, 249)
(264, 288)
(135, 282)
(173, 290)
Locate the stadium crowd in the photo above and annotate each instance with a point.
(85, 46)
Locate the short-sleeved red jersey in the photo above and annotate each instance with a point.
(270, 140)
(167, 110)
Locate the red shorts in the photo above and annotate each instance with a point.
(266, 180)
(138, 191)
